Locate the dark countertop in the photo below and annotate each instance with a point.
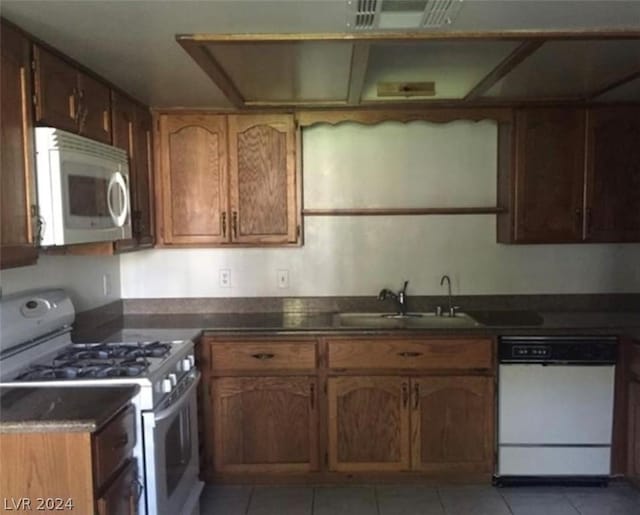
(61, 409)
(189, 326)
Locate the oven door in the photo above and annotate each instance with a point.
(171, 454)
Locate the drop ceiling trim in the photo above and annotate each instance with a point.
(613, 85)
(503, 68)
(628, 33)
(201, 55)
(358, 72)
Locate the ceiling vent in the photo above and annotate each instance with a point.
(401, 14)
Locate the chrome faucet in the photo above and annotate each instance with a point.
(452, 308)
(400, 297)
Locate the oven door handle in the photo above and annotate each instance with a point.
(119, 219)
(184, 398)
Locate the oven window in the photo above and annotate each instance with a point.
(177, 447)
(87, 196)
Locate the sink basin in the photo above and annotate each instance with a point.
(406, 321)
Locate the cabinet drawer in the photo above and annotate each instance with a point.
(471, 353)
(120, 497)
(263, 355)
(113, 445)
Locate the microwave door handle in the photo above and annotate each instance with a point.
(117, 180)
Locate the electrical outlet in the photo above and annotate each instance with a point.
(106, 284)
(224, 278)
(283, 278)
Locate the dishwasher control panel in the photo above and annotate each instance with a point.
(595, 350)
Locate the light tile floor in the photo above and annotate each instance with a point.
(617, 499)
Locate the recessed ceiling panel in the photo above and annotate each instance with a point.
(455, 66)
(570, 69)
(288, 72)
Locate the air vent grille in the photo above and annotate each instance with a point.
(440, 12)
(365, 16)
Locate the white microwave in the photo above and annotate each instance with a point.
(83, 189)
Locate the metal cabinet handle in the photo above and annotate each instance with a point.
(224, 224)
(235, 224)
(405, 394)
(409, 354)
(263, 355)
(416, 395)
(74, 105)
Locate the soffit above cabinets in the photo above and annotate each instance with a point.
(426, 68)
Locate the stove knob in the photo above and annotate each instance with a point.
(192, 359)
(173, 379)
(166, 386)
(186, 365)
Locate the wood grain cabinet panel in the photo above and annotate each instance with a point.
(547, 176)
(452, 424)
(193, 172)
(120, 498)
(263, 356)
(613, 175)
(265, 424)
(262, 171)
(17, 181)
(389, 353)
(368, 423)
(69, 99)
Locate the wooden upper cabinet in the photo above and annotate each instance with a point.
(68, 99)
(95, 109)
(17, 185)
(193, 175)
(265, 424)
(262, 172)
(613, 174)
(123, 113)
(142, 159)
(546, 177)
(368, 423)
(452, 424)
(633, 458)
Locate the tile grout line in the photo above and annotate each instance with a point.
(313, 500)
(246, 510)
(564, 494)
(375, 496)
(444, 510)
(504, 499)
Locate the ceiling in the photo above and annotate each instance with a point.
(133, 44)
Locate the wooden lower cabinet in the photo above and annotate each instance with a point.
(368, 423)
(431, 424)
(633, 459)
(452, 424)
(265, 424)
(121, 496)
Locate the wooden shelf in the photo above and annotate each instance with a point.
(404, 211)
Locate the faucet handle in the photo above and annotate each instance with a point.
(404, 288)
(453, 310)
(438, 311)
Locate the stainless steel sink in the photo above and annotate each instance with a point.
(405, 321)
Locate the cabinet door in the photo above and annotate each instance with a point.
(549, 175)
(633, 463)
(56, 89)
(95, 109)
(120, 498)
(17, 186)
(193, 164)
(368, 423)
(613, 174)
(452, 424)
(265, 424)
(262, 173)
(123, 116)
(143, 182)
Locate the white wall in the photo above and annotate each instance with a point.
(82, 276)
(359, 255)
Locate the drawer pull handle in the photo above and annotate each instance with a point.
(405, 394)
(121, 442)
(263, 355)
(416, 393)
(409, 354)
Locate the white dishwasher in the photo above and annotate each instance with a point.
(555, 409)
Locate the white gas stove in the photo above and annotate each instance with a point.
(36, 351)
